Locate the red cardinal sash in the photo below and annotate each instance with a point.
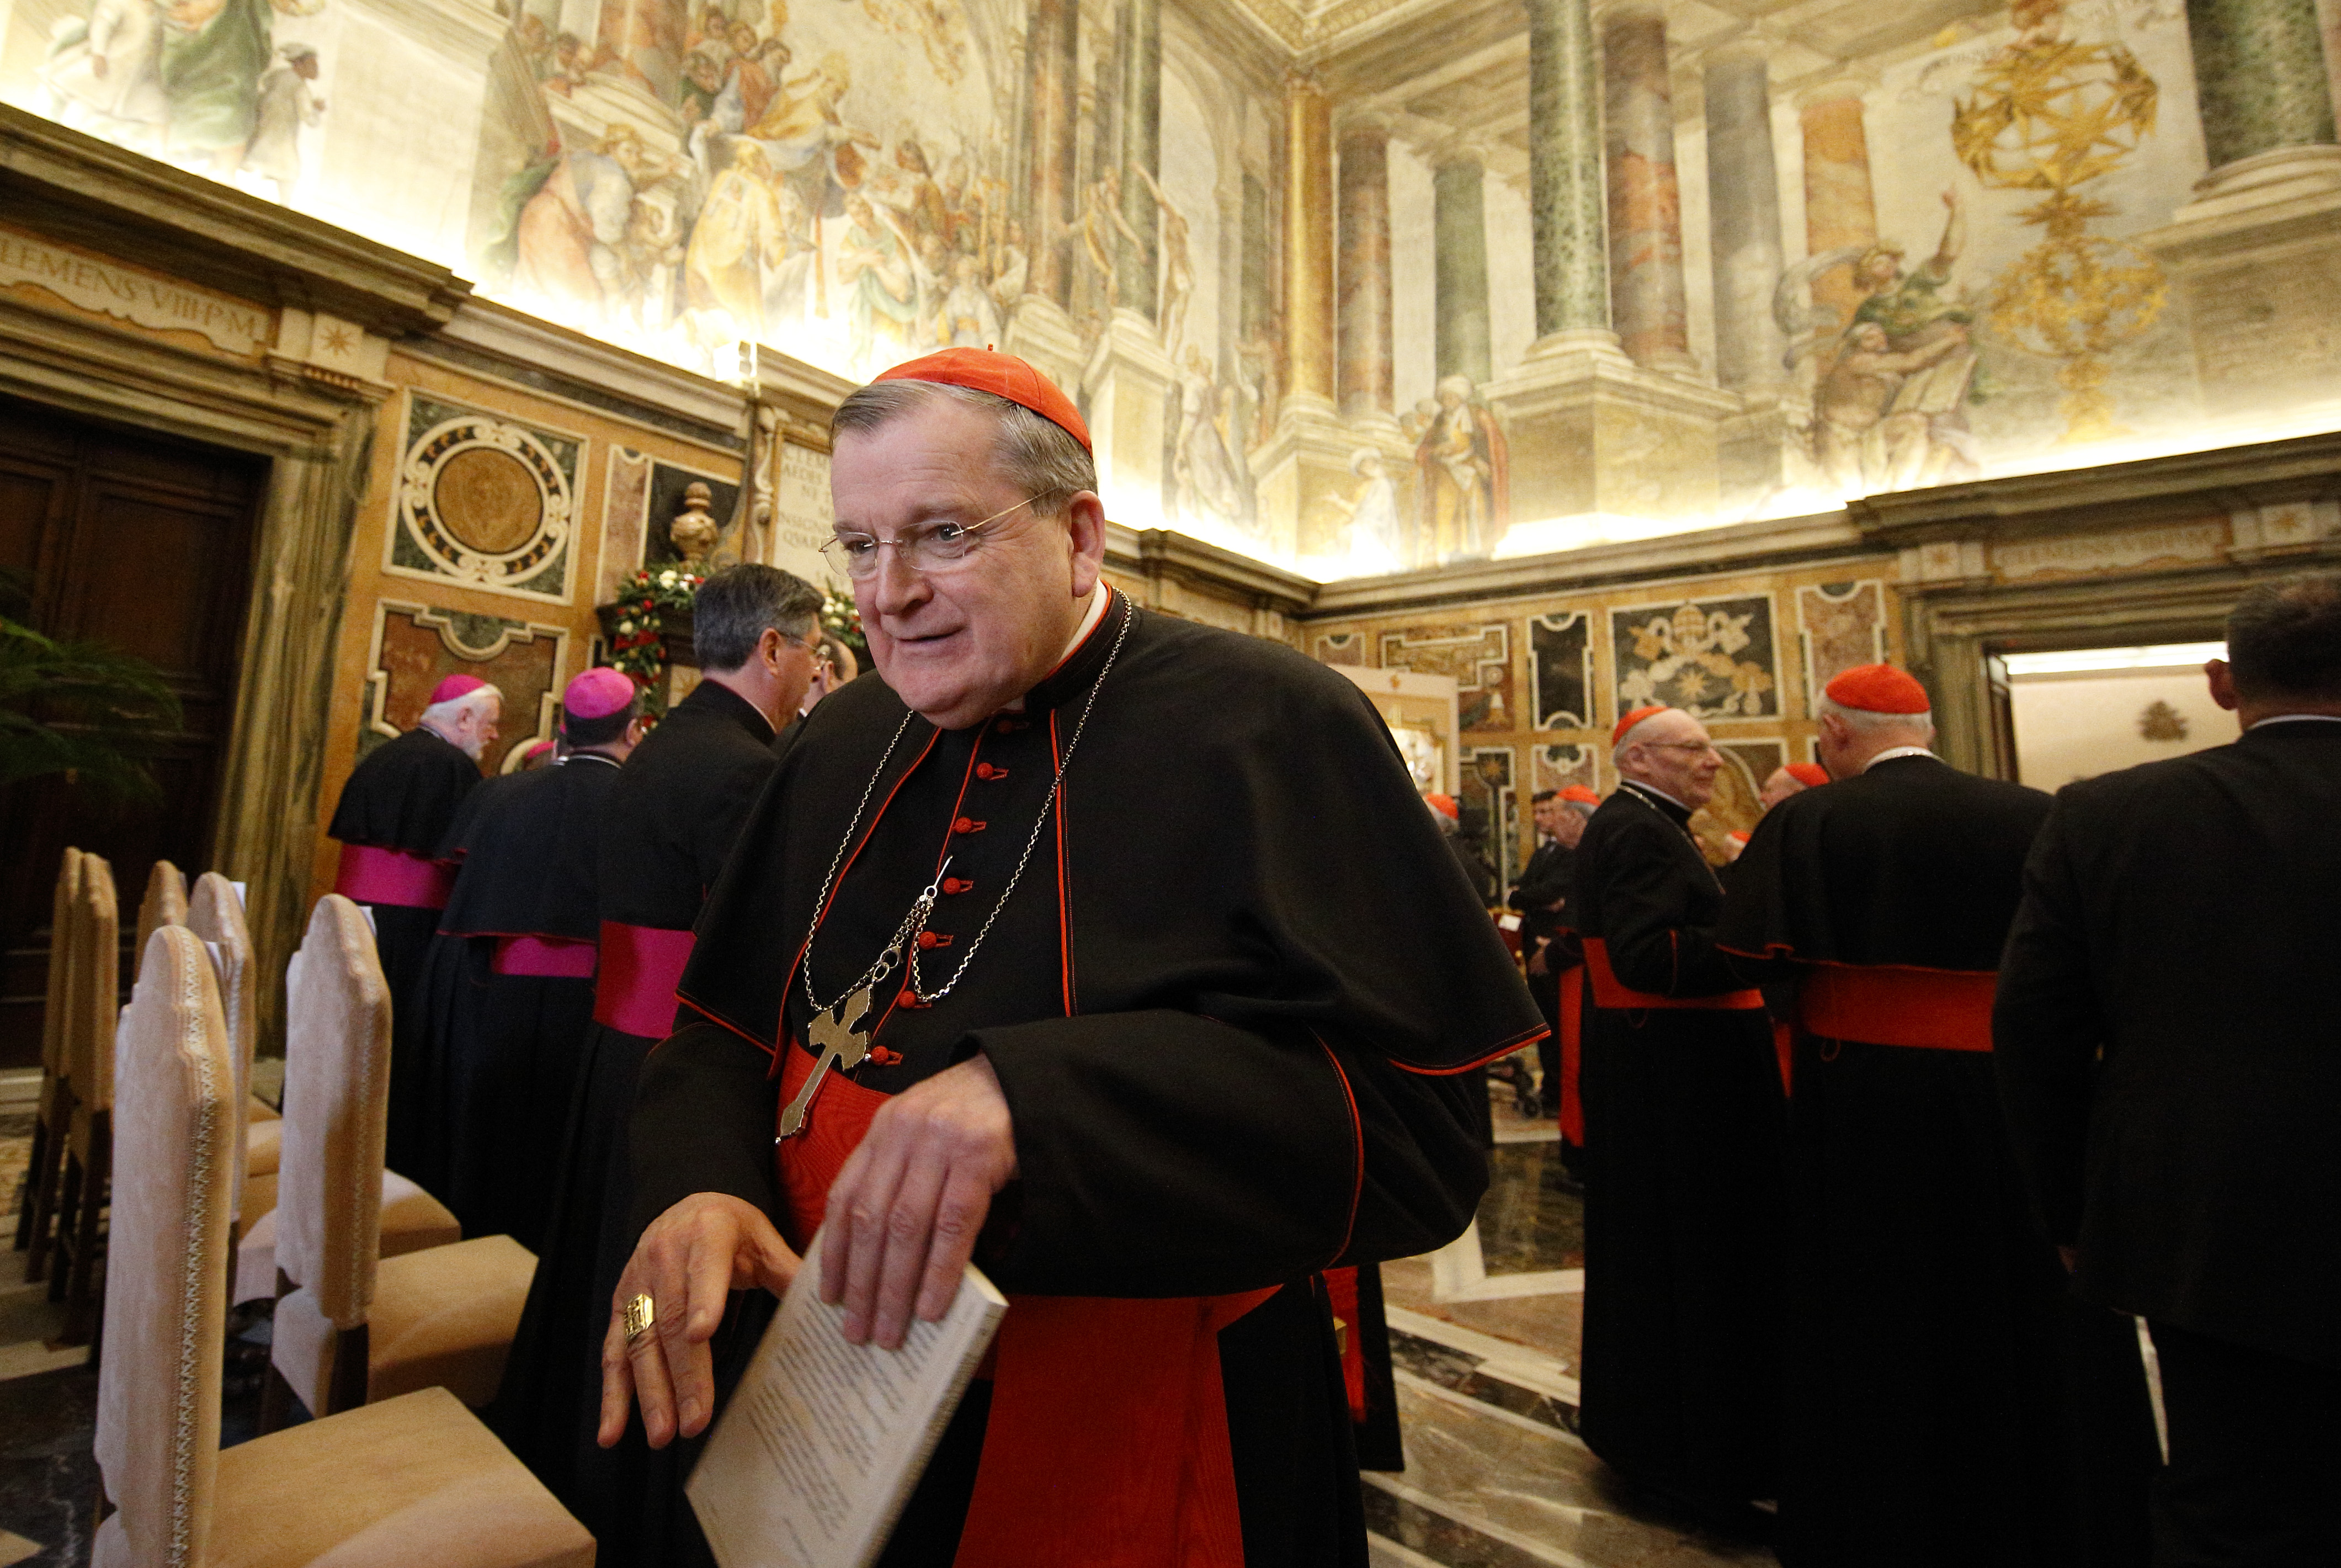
(1608, 991)
(1107, 1438)
(1886, 1005)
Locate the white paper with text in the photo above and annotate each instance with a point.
(823, 1441)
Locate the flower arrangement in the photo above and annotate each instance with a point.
(842, 620)
(645, 599)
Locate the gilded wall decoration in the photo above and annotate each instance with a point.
(1557, 767)
(666, 497)
(416, 646)
(484, 500)
(1341, 648)
(1560, 669)
(1714, 659)
(1840, 626)
(1740, 784)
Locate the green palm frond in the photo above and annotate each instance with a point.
(84, 709)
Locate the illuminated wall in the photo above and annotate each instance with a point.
(1378, 315)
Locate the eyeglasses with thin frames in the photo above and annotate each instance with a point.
(1695, 748)
(924, 547)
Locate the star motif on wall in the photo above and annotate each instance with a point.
(339, 340)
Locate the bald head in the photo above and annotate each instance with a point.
(1670, 752)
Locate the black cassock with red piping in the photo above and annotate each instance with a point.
(1230, 1003)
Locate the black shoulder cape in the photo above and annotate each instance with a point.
(671, 817)
(530, 856)
(404, 793)
(1911, 863)
(1239, 840)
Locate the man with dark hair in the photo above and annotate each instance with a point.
(1682, 1146)
(1913, 1266)
(668, 820)
(393, 815)
(1540, 897)
(1155, 1079)
(510, 978)
(2165, 1033)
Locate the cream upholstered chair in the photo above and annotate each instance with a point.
(416, 1479)
(47, 1164)
(215, 915)
(351, 1330)
(165, 902)
(91, 1009)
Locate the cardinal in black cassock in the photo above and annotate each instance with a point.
(510, 977)
(393, 815)
(668, 823)
(1682, 1128)
(1949, 1402)
(1235, 1051)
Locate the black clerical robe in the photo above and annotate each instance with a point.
(668, 822)
(1944, 1392)
(509, 983)
(1541, 896)
(1682, 1146)
(393, 815)
(1232, 1002)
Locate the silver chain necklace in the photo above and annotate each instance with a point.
(835, 1032)
(1687, 837)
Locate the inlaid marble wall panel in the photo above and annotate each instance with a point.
(1712, 658)
(485, 501)
(1479, 657)
(1840, 626)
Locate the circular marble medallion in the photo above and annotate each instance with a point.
(488, 500)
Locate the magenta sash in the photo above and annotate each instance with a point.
(371, 874)
(641, 967)
(548, 957)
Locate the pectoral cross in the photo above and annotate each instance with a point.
(833, 1035)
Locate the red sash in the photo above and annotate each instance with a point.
(1107, 1438)
(546, 958)
(641, 967)
(1886, 1005)
(1341, 1295)
(1608, 991)
(1573, 1053)
(369, 874)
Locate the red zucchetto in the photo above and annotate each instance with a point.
(1618, 735)
(1579, 793)
(1001, 374)
(1444, 805)
(1812, 776)
(1879, 689)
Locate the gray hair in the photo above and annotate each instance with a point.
(731, 610)
(1862, 722)
(1038, 456)
(451, 712)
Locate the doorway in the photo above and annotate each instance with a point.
(144, 543)
(2074, 714)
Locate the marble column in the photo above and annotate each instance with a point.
(1141, 108)
(2260, 76)
(1308, 241)
(1743, 194)
(1459, 235)
(1565, 191)
(1364, 313)
(1258, 303)
(1647, 305)
(1053, 59)
(1839, 209)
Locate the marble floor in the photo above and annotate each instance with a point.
(1484, 1344)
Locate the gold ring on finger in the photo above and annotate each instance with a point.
(642, 1315)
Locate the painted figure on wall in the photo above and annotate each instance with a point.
(566, 236)
(214, 52)
(1178, 263)
(1463, 477)
(1372, 528)
(881, 293)
(104, 74)
(286, 106)
(739, 256)
(1209, 482)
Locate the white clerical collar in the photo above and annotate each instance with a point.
(1890, 752)
(2298, 719)
(1653, 789)
(1099, 598)
(586, 757)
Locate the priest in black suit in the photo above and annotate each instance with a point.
(1937, 1376)
(510, 978)
(1114, 951)
(2168, 1032)
(1541, 897)
(667, 826)
(392, 816)
(1682, 1147)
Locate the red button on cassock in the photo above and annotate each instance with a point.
(967, 824)
(956, 884)
(988, 771)
(930, 939)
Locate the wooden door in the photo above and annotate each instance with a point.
(142, 542)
